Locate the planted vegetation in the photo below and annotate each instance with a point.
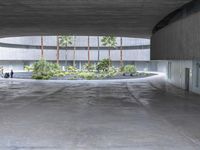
(43, 70)
(46, 70)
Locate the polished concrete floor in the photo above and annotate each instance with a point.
(98, 115)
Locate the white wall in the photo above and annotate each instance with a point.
(194, 87)
(15, 65)
(162, 66)
(81, 55)
(178, 73)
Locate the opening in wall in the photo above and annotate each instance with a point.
(169, 72)
(198, 75)
(187, 79)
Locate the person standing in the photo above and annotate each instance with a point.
(11, 73)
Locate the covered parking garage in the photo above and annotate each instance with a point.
(130, 114)
(136, 114)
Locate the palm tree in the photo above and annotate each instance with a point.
(58, 50)
(65, 41)
(42, 47)
(121, 51)
(110, 42)
(88, 50)
(74, 54)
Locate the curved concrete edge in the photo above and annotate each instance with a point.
(132, 47)
(187, 9)
(151, 78)
(180, 39)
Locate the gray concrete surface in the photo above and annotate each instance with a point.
(175, 41)
(83, 17)
(143, 114)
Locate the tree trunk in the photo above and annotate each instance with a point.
(98, 48)
(109, 54)
(66, 57)
(58, 50)
(109, 57)
(74, 54)
(88, 50)
(42, 47)
(121, 52)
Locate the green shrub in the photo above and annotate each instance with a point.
(41, 77)
(87, 75)
(129, 69)
(90, 67)
(46, 70)
(59, 74)
(103, 65)
(121, 69)
(28, 68)
(67, 73)
(41, 70)
(55, 67)
(71, 69)
(112, 72)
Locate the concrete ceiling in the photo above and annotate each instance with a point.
(83, 17)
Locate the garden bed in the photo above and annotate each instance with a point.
(103, 70)
(28, 75)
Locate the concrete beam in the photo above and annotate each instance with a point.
(83, 17)
(180, 39)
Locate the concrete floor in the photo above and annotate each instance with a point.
(98, 115)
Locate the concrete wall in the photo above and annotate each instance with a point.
(175, 45)
(33, 53)
(80, 55)
(162, 66)
(8, 65)
(177, 74)
(196, 76)
(179, 40)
